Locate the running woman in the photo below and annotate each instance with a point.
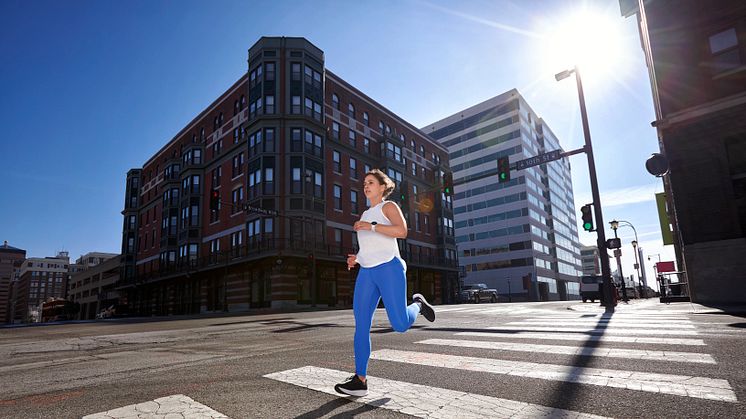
(382, 275)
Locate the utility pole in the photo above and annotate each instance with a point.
(608, 296)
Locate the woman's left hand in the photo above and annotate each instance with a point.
(362, 225)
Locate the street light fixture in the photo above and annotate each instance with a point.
(607, 301)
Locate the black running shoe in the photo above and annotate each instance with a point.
(425, 308)
(353, 386)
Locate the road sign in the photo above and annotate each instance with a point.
(537, 160)
(249, 208)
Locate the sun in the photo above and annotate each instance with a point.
(585, 38)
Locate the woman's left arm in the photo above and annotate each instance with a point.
(398, 227)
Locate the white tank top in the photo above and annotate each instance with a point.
(376, 248)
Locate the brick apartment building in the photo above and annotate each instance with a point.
(11, 259)
(286, 148)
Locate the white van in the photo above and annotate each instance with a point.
(589, 287)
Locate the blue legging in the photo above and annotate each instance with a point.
(388, 280)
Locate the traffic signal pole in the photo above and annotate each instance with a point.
(601, 239)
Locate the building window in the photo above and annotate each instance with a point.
(335, 131)
(297, 182)
(335, 101)
(215, 246)
(338, 237)
(724, 50)
(366, 119)
(422, 151)
(255, 143)
(337, 161)
(353, 168)
(366, 145)
(295, 105)
(217, 147)
(351, 111)
(236, 239)
(295, 71)
(318, 190)
(269, 71)
(255, 178)
(216, 175)
(296, 143)
(269, 140)
(195, 184)
(353, 202)
(313, 144)
(309, 107)
(269, 180)
(352, 139)
(269, 104)
(237, 200)
(337, 197)
(238, 165)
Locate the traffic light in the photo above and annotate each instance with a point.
(587, 217)
(448, 183)
(503, 169)
(215, 200)
(403, 195)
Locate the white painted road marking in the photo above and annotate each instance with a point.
(601, 323)
(420, 400)
(178, 405)
(680, 385)
(583, 337)
(616, 331)
(643, 355)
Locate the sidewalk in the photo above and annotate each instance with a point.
(654, 306)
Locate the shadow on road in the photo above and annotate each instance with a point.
(567, 391)
(335, 404)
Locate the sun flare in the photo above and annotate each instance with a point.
(587, 39)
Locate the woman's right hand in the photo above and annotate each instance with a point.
(351, 261)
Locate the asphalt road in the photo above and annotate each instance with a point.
(488, 360)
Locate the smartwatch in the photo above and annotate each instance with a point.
(373, 226)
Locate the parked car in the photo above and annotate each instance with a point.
(477, 293)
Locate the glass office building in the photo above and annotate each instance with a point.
(520, 236)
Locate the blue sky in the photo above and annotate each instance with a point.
(91, 89)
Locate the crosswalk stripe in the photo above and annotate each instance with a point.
(618, 331)
(643, 355)
(177, 405)
(603, 324)
(680, 385)
(591, 338)
(421, 400)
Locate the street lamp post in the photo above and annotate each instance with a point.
(601, 236)
(661, 285)
(510, 296)
(618, 255)
(638, 254)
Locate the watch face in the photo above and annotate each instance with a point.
(374, 223)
